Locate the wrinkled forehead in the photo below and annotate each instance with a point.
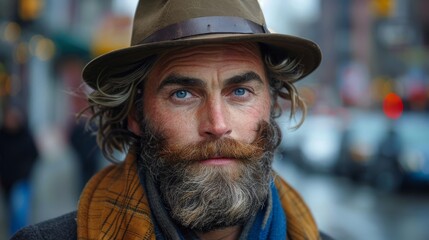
(235, 54)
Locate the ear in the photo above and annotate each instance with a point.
(133, 125)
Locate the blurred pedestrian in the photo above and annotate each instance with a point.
(18, 153)
(386, 170)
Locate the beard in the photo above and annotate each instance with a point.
(208, 197)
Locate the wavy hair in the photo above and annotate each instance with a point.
(118, 91)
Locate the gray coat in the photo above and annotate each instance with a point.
(64, 228)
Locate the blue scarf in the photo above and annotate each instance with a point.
(270, 221)
(268, 224)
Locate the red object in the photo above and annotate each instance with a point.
(393, 106)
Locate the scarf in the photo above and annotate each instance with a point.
(115, 205)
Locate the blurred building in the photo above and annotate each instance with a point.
(37, 35)
(384, 43)
(44, 45)
(380, 46)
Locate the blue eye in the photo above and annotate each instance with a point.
(240, 91)
(181, 94)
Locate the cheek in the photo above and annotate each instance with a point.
(176, 126)
(246, 122)
(262, 110)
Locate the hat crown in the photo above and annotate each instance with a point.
(154, 15)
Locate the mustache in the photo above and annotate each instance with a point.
(224, 147)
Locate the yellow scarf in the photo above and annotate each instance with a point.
(113, 205)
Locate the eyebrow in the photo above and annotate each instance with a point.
(177, 79)
(243, 78)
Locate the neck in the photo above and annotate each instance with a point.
(230, 233)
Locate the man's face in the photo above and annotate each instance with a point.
(206, 93)
(207, 136)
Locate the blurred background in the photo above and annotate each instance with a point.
(361, 159)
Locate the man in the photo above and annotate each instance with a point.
(192, 101)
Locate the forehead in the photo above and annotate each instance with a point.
(224, 57)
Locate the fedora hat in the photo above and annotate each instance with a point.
(160, 25)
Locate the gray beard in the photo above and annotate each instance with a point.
(205, 198)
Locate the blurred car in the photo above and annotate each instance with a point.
(388, 154)
(403, 154)
(366, 147)
(359, 140)
(315, 145)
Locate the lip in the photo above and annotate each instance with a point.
(218, 161)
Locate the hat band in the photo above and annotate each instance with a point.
(206, 25)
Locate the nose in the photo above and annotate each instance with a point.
(214, 119)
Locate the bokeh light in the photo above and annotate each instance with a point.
(30, 9)
(393, 106)
(43, 48)
(12, 32)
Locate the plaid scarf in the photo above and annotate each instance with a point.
(114, 205)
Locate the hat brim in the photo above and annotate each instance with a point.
(306, 51)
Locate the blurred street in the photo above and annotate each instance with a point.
(349, 211)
